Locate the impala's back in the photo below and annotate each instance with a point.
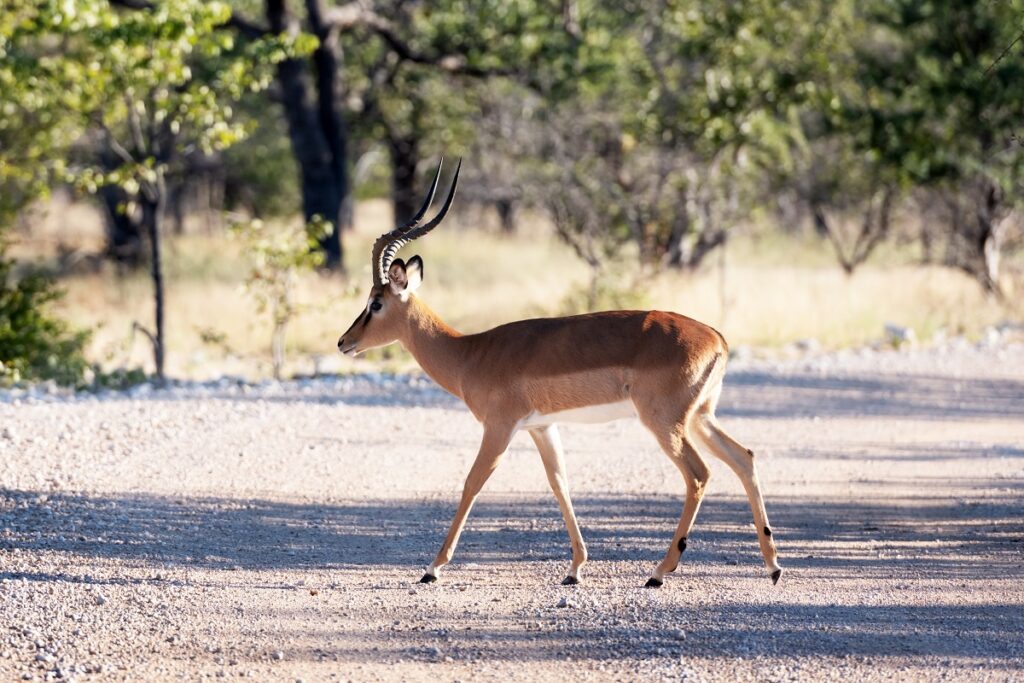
(551, 365)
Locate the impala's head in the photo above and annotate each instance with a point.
(394, 281)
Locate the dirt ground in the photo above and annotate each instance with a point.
(276, 532)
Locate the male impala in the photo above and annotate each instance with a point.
(663, 368)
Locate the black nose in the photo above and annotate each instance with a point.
(341, 342)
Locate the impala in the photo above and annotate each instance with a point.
(663, 368)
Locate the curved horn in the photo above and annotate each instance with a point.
(380, 269)
(412, 232)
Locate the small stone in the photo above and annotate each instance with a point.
(565, 602)
(277, 656)
(680, 634)
(899, 336)
(100, 600)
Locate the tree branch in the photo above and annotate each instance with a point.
(356, 15)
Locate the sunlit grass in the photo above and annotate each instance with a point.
(777, 289)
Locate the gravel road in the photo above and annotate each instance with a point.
(276, 532)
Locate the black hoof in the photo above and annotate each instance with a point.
(653, 583)
(776, 575)
(570, 581)
(428, 578)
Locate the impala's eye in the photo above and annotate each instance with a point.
(376, 306)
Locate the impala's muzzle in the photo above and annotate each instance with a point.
(347, 348)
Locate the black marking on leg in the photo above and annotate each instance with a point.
(653, 583)
(570, 581)
(776, 575)
(750, 453)
(428, 578)
(767, 532)
(682, 544)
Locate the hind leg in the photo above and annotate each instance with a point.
(741, 461)
(675, 440)
(696, 475)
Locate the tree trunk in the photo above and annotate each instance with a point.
(125, 245)
(124, 240)
(153, 205)
(977, 236)
(316, 131)
(176, 201)
(506, 209)
(404, 152)
(674, 247)
(990, 237)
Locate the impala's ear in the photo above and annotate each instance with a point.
(396, 276)
(414, 273)
(404, 278)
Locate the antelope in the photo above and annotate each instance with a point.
(660, 367)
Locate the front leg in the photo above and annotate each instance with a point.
(492, 447)
(550, 446)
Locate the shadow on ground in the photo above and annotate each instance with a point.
(937, 534)
(876, 542)
(758, 394)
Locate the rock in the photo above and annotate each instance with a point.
(899, 336)
(991, 338)
(680, 634)
(277, 656)
(741, 353)
(811, 345)
(565, 602)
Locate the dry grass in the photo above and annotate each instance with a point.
(476, 279)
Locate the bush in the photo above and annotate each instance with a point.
(33, 344)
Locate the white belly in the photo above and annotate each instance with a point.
(602, 412)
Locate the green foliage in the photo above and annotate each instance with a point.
(934, 103)
(149, 86)
(608, 290)
(34, 345)
(152, 85)
(434, 106)
(277, 256)
(261, 168)
(152, 82)
(118, 379)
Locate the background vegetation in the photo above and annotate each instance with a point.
(784, 170)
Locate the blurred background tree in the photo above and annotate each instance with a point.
(944, 95)
(147, 89)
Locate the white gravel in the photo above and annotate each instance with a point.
(276, 531)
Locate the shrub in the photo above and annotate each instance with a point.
(34, 345)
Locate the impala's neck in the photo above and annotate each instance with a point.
(435, 346)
